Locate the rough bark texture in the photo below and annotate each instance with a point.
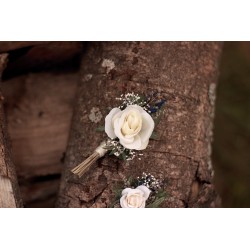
(186, 74)
(9, 190)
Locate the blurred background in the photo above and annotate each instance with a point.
(39, 86)
(231, 146)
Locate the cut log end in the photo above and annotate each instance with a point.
(7, 199)
(9, 190)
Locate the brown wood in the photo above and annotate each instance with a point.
(9, 190)
(186, 72)
(42, 57)
(39, 109)
(8, 46)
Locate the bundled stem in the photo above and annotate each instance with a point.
(83, 167)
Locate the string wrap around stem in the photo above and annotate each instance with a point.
(83, 167)
(101, 150)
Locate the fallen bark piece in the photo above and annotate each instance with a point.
(9, 190)
(186, 73)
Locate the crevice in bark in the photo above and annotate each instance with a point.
(199, 179)
(185, 203)
(176, 154)
(98, 196)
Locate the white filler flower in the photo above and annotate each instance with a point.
(133, 126)
(134, 198)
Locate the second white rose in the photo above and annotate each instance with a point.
(133, 126)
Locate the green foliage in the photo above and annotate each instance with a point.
(154, 136)
(157, 117)
(156, 203)
(159, 198)
(100, 129)
(118, 192)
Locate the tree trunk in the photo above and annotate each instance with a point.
(184, 72)
(9, 190)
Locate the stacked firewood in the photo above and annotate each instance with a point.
(39, 82)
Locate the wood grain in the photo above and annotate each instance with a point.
(39, 109)
(9, 189)
(7, 199)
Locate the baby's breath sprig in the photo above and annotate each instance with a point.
(116, 149)
(131, 99)
(149, 181)
(151, 104)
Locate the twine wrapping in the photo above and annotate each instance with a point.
(83, 167)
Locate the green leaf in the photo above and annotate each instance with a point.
(112, 152)
(154, 136)
(160, 196)
(158, 117)
(100, 129)
(113, 204)
(123, 156)
(161, 193)
(129, 180)
(118, 193)
(156, 203)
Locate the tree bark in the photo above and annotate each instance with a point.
(9, 190)
(185, 72)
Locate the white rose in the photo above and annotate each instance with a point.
(134, 198)
(133, 126)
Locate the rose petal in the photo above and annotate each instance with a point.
(109, 129)
(125, 113)
(137, 107)
(126, 191)
(143, 204)
(146, 191)
(144, 145)
(118, 133)
(139, 140)
(135, 199)
(136, 144)
(135, 191)
(129, 193)
(148, 125)
(123, 202)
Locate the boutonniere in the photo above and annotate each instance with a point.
(128, 127)
(144, 192)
